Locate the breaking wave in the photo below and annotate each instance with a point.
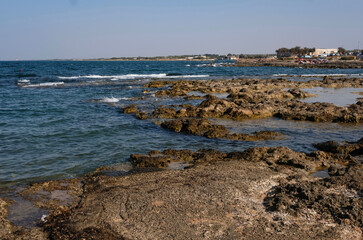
(46, 84)
(132, 76)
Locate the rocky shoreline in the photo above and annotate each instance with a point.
(343, 64)
(259, 193)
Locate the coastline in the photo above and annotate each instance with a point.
(331, 64)
(246, 195)
(258, 193)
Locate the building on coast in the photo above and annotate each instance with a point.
(324, 51)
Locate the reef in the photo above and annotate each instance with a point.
(251, 99)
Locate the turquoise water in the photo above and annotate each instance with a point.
(62, 119)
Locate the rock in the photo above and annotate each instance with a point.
(158, 161)
(336, 198)
(201, 127)
(264, 98)
(193, 97)
(174, 125)
(163, 112)
(130, 109)
(142, 115)
(157, 84)
(353, 148)
(262, 192)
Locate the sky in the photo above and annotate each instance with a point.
(66, 29)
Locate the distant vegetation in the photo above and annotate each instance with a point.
(282, 53)
(288, 52)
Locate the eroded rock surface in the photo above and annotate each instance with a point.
(220, 201)
(337, 198)
(261, 193)
(204, 127)
(352, 148)
(250, 98)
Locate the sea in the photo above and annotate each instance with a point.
(63, 119)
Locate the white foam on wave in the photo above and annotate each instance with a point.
(113, 99)
(23, 81)
(130, 76)
(110, 100)
(46, 84)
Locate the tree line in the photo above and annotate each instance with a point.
(287, 52)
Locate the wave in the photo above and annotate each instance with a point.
(133, 76)
(23, 81)
(46, 84)
(113, 99)
(110, 100)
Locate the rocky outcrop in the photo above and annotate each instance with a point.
(203, 127)
(251, 98)
(276, 157)
(337, 198)
(256, 194)
(130, 109)
(352, 148)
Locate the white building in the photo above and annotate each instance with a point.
(324, 51)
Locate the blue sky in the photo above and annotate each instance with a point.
(45, 29)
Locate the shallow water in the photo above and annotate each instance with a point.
(339, 96)
(53, 131)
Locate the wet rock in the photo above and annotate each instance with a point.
(201, 127)
(249, 99)
(265, 193)
(297, 93)
(6, 228)
(194, 204)
(281, 156)
(10, 231)
(163, 112)
(143, 161)
(336, 198)
(130, 109)
(141, 115)
(174, 125)
(163, 159)
(54, 195)
(353, 148)
(319, 112)
(157, 84)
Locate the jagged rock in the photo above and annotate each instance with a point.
(130, 109)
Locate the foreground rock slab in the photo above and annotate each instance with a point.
(224, 200)
(261, 193)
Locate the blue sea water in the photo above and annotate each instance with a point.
(61, 119)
